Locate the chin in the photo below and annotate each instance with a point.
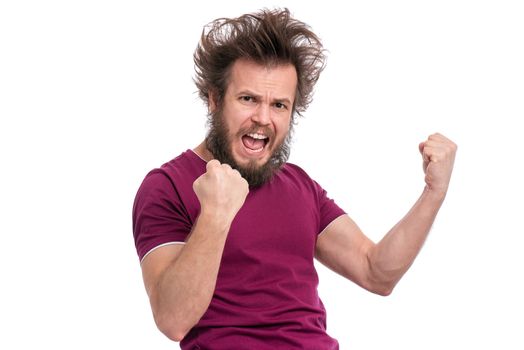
(250, 162)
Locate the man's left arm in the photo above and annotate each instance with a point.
(344, 248)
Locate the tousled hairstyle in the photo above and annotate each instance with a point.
(267, 37)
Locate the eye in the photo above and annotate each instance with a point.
(247, 98)
(280, 105)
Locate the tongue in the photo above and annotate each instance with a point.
(251, 143)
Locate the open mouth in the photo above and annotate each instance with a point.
(255, 142)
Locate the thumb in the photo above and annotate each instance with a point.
(421, 147)
(425, 156)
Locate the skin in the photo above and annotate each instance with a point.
(180, 279)
(257, 96)
(378, 267)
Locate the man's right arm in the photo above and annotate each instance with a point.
(180, 279)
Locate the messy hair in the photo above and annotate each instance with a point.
(267, 37)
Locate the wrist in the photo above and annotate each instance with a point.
(435, 193)
(215, 219)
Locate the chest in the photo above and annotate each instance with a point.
(274, 232)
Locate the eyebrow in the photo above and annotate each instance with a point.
(251, 93)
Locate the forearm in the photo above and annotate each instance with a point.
(184, 292)
(394, 254)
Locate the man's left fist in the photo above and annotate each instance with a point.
(438, 154)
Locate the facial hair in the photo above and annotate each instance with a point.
(219, 144)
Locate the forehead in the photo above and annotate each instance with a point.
(279, 80)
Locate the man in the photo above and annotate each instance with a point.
(227, 232)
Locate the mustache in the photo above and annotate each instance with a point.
(257, 128)
(219, 139)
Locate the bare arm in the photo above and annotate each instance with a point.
(378, 267)
(180, 279)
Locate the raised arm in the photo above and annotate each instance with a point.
(180, 279)
(378, 267)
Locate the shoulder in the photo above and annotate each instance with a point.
(187, 164)
(173, 179)
(293, 175)
(293, 170)
(186, 167)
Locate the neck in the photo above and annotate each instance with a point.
(202, 151)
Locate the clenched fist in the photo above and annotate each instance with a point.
(438, 155)
(221, 190)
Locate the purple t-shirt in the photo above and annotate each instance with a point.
(266, 291)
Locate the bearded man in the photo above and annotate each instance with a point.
(227, 232)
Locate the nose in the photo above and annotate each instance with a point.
(262, 114)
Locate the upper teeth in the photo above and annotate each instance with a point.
(257, 136)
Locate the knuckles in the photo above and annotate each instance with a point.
(222, 175)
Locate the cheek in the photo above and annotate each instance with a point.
(238, 120)
(282, 127)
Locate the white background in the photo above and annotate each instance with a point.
(94, 94)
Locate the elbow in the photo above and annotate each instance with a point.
(381, 285)
(384, 286)
(381, 282)
(173, 334)
(172, 329)
(383, 290)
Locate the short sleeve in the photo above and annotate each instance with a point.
(328, 209)
(159, 216)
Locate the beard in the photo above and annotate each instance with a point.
(218, 143)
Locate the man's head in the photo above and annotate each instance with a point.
(255, 72)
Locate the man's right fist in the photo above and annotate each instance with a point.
(221, 190)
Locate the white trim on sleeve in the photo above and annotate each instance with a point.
(332, 221)
(158, 246)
